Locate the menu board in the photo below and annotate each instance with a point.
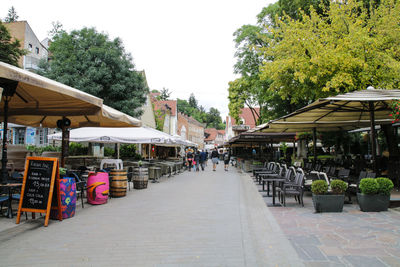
(37, 184)
(40, 187)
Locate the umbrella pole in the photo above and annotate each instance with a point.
(4, 172)
(9, 88)
(314, 136)
(373, 141)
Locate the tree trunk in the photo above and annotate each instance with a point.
(394, 154)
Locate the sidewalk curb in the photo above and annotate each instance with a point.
(271, 245)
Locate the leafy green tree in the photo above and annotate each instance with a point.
(10, 51)
(345, 49)
(90, 61)
(57, 28)
(193, 101)
(165, 94)
(12, 15)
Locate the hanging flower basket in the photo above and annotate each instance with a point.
(395, 115)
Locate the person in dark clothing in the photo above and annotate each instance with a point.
(214, 158)
(227, 158)
(189, 157)
(203, 159)
(197, 160)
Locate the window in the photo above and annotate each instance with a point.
(30, 47)
(37, 50)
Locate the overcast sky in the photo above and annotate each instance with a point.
(183, 45)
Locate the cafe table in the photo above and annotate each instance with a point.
(274, 180)
(10, 187)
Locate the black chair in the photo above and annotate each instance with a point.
(294, 189)
(280, 174)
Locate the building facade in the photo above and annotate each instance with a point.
(247, 121)
(36, 50)
(213, 138)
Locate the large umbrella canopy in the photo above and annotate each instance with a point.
(342, 112)
(138, 135)
(39, 101)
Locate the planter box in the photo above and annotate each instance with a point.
(328, 203)
(373, 202)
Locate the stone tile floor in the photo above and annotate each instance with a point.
(350, 238)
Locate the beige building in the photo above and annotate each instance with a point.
(147, 118)
(196, 132)
(36, 49)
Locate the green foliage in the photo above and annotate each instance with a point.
(164, 94)
(76, 149)
(369, 186)
(108, 152)
(341, 49)
(338, 187)
(127, 151)
(88, 60)
(193, 101)
(159, 117)
(395, 111)
(212, 118)
(12, 15)
(38, 150)
(319, 187)
(10, 50)
(385, 185)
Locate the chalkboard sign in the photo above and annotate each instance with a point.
(37, 184)
(40, 186)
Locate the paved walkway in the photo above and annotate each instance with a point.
(350, 238)
(191, 219)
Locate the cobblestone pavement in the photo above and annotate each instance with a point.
(350, 238)
(191, 219)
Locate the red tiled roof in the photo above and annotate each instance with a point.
(213, 133)
(247, 117)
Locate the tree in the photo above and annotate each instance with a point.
(11, 16)
(250, 89)
(57, 28)
(10, 51)
(89, 61)
(345, 49)
(192, 101)
(165, 94)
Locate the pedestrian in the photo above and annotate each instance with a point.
(203, 159)
(214, 158)
(197, 160)
(227, 158)
(189, 157)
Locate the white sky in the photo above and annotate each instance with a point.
(183, 45)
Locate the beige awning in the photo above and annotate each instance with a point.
(342, 112)
(39, 101)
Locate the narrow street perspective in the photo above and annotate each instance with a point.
(201, 218)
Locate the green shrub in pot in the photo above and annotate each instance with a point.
(369, 186)
(375, 194)
(319, 187)
(385, 185)
(338, 187)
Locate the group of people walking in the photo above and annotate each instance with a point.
(199, 158)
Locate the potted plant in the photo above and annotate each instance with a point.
(325, 200)
(375, 194)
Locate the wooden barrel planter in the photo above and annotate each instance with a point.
(119, 183)
(140, 178)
